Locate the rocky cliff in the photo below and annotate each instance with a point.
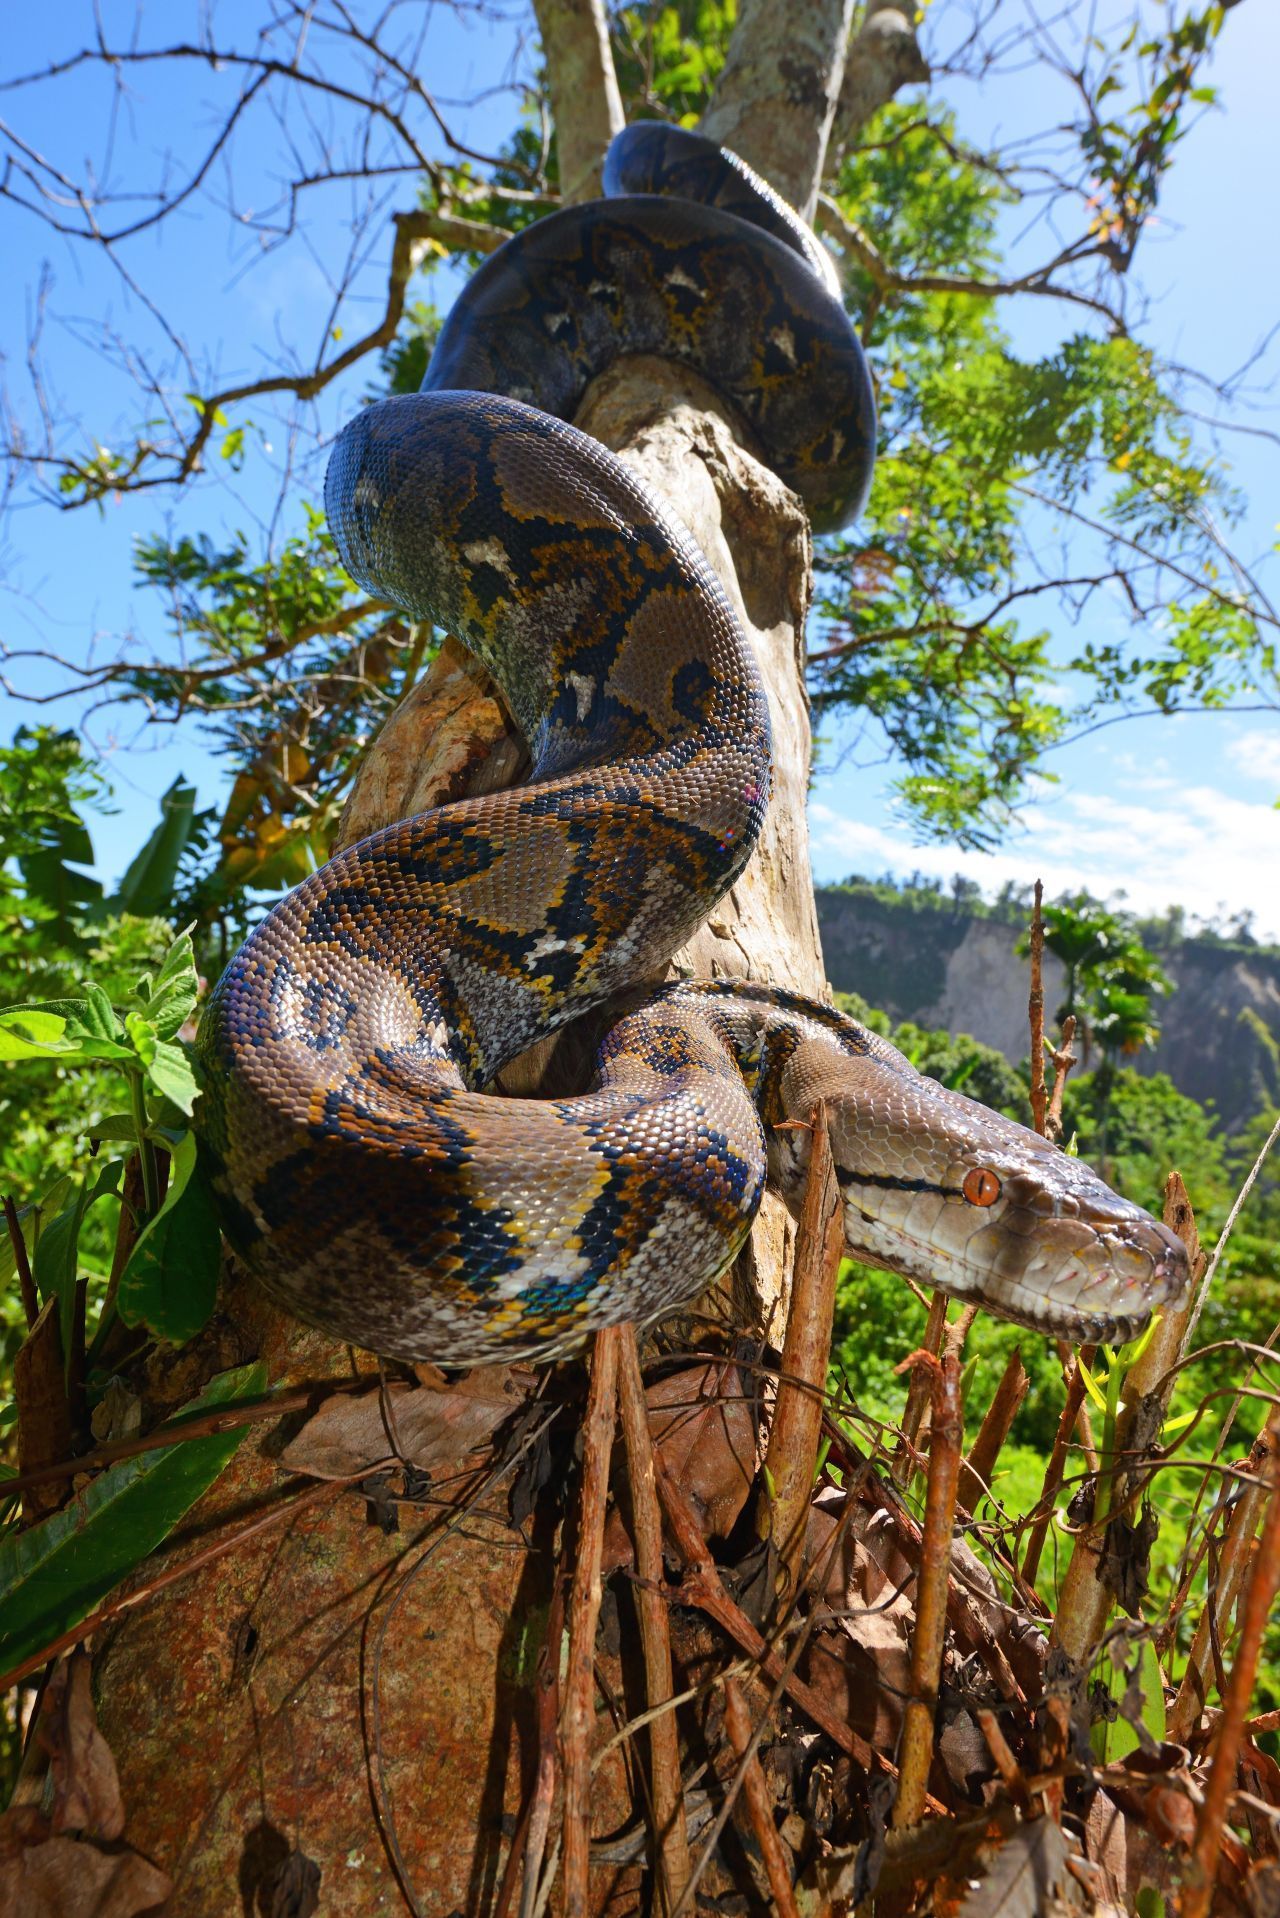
(942, 966)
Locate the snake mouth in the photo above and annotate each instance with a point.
(1128, 1282)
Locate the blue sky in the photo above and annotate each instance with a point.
(1163, 810)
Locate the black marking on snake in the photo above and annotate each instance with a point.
(890, 1182)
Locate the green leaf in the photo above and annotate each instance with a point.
(54, 1575)
(1113, 1742)
(170, 994)
(69, 1030)
(56, 1265)
(119, 1127)
(1091, 1385)
(147, 886)
(171, 1073)
(29, 1032)
(65, 893)
(171, 1279)
(142, 1035)
(99, 1017)
(165, 1064)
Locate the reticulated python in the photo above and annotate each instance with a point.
(363, 1173)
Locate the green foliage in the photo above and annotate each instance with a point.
(1112, 975)
(92, 1052)
(292, 670)
(924, 608)
(668, 58)
(54, 1574)
(171, 1277)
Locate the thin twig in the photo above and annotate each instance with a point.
(671, 1839)
(584, 1610)
(1220, 1598)
(980, 1463)
(1225, 1234)
(1035, 1013)
(703, 1587)
(530, 1838)
(737, 1722)
(202, 1425)
(928, 1640)
(27, 1285)
(963, 1614)
(1071, 1408)
(918, 1390)
(738, 1779)
(791, 1459)
(1063, 1061)
(1264, 1581)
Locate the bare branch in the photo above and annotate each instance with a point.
(883, 58)
(1039, 280)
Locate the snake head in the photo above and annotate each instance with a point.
(943, 1189)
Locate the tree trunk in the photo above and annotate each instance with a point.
(366, 1699)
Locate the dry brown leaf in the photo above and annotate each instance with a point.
(296, 1891)
(861, 1664)
(46, 1877)
(434, 1428)
(86, 1789)
(704, 1432)
(44, 1416)
(1106, 1841)
(1029, 1876)
(1262, 1889)
(1157, 1790)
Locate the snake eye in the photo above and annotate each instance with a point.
(981, 1186)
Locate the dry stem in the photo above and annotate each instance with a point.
(918, 1391)
(1072, 1407)
(737, 1723)
(1063, 1060)
(1035, 1014)
(1221, 1597)
(1264, 1580)
(702, 1587)
(946, 1432)
(27, 1285)
(671, 1835)
(976, 1471)
(791, 1458)
(584, 1610)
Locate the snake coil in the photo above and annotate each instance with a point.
(363, 1172)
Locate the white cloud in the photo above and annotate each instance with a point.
(1198, 847)
(1257, 755)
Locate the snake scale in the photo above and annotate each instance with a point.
(363, 1172)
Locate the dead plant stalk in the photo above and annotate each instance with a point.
(576, 1720)
(791, 1458)
(1259, 1595)
(671, 1837)
(946, 1433)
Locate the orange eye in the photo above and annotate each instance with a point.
(981, 1187)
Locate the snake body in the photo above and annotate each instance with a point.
(363, 1171)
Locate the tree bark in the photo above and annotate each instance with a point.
(776, 97)
(585, 102)
(884, 56)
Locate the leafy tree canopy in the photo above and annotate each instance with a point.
(934, 618)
